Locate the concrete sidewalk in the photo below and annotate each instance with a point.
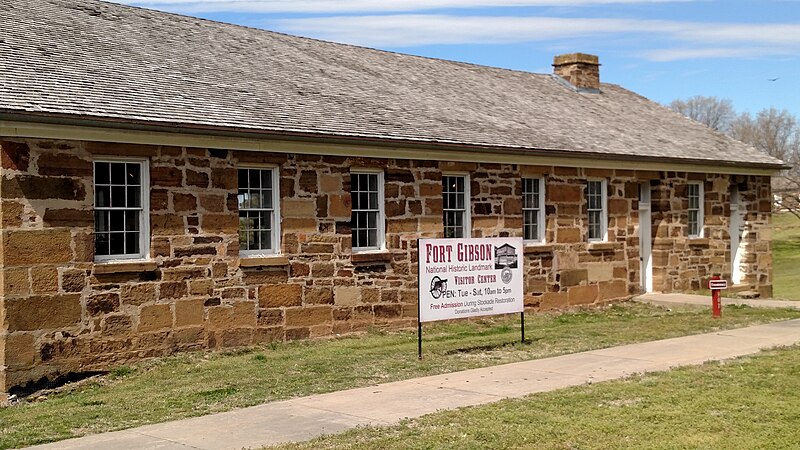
(305, 418)
(703, 300)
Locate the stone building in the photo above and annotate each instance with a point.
(170, 183)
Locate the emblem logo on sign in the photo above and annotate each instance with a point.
(438, 286)
(506, 275)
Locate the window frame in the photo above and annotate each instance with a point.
(144, 216)
(467, 211)
(700, 209)
(381, 211)
(540, 212)
(275, 240)
(603, 211)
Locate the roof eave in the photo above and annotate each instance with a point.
(321, 137)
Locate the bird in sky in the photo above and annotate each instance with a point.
(773, 79)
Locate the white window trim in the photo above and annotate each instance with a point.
(541, 216)
(276, 212)
(603, 213)
(467, 202)
(381, 225)
(144, 217)
(700, 210)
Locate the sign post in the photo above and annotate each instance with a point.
(716, 285)
(461, 278)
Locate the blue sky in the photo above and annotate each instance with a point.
(662, 49)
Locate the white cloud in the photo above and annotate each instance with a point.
(350, 6)
(406, 30)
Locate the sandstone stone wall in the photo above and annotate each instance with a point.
(61, 312)
(681, 263)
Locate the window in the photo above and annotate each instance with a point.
(596, 203)
(259, 218)
(695, 193)
(455, 196)
(121, 211)
(533, 209)
(366, 191)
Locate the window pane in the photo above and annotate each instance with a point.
(372, 220)
(117, 243)
(132, 242)
(372, 238)
(244, 200)
(354, 184)
(118, 173)
(133, 174)
(255, 179)
(117, 221)
(242, 179)
(100, 221)
(101, 244)
(373, 200)
(102, 195)
(117, 197)
(373, 182)
(134, 197)
(131, 220)
(101, 173)
(266, 198)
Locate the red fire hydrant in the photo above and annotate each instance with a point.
(716, 285)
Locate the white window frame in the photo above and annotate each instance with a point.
(144, 216)
(275, 240)
(381, 219)
(603, 211)
(540, 213)
(467, 211)
(698, 233)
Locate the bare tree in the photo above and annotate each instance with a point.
(776, 133)
(712, 112)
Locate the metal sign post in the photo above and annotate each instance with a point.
(716, 285)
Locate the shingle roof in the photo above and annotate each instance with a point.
(103, 60)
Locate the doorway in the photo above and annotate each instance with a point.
(737, 233)
(645, 248)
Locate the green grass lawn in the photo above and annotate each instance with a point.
(786, 256)
(751, 402)
(202, 383)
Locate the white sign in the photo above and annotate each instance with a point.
(718, 284)
(469, 277)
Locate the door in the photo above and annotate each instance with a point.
(736, 231)
(645, 249)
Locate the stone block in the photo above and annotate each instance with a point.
(554, 300)
(294, 334)
(43, 188)
(115, 148)
(613, 289)
(189, 338)
(330, 183)
(220, 223)
(212, 202)
(12, 214)
(166, 176)
(568, 235)
(581, 295)
(20, 350)
(43, 312)
(244, 314)
(512, 206)
(573, 277)
(340, 205)
(299, 225)
(308, 181)
(318, 296)
(296, 207)
(167, 225)
(173, 289)
(155, 317)
(189, 312)
(16, 281)
(347, 296)
(115, 324)
(64, 164)
(196, 179)
(600, 272)
(308, 316)
(102, 303)
(277, 295)
(138, 294)
(237, 337)
(44, 280)
(390, 311)
(322, 269)
(265, 335)
(564, 193)
(68, 217)
(37, 247)
(270, 317)
(183, 202)
(271, 275)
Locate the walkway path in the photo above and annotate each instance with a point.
(705, 300)
(305, 418)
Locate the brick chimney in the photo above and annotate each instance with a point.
(579, 69)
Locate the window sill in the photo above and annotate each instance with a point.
(602, 246)
(371, 256)
(264, 261)
(699, 242)
(532, 249)
(101, 268)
